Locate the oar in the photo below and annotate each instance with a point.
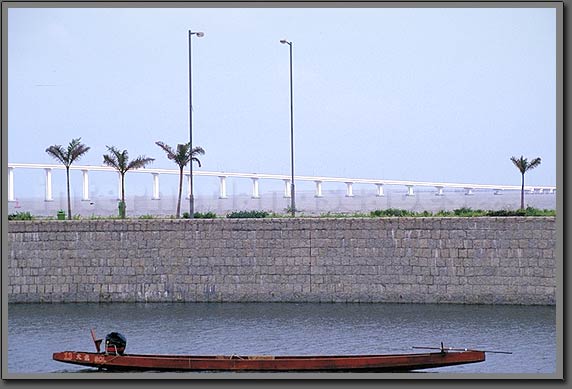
(461, 349)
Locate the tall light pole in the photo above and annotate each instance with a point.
(292, 190)
(191, 197)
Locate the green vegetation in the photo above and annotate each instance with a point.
(248, 214)
(20, 216)
(119, 160)
(523, 166)
(181, 157)
(206, 215)
(75, 151)
(390, 212)
(529, 211)
(465, 212)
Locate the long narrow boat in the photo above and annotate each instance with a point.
(267, 363)
(113, 358)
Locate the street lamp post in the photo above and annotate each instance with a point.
(292, 190)
(191, 197)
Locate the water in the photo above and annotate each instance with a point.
(35, 331)
(365, 200)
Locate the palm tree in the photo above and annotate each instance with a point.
(523, 165)
(181, 157)
(120, 161)
(74, 151)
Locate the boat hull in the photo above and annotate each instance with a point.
(235, 363)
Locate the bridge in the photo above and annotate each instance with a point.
(255, 178)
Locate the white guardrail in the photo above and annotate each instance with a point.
(379, 183)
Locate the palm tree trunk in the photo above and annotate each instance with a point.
(180, 192)
(68, 187)
(522, 193)
(123, 210)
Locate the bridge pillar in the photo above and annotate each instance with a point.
(439, 191)
(11, 184)
(379, 190)
(318, 189)
(85, 185)
(287, 191)
(156, 195)
(349, 189)
(469, 191)
(222, 187)
(49, 196)
(255, 192)
(410, 190)
(119, 193)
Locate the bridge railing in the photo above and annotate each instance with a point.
(255, 177)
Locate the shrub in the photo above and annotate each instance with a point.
(20, 216)
(392, 212)
(464, 211)
(206, 215)
(200, 215)
(504, 212)
(247, 214)
(530, 211)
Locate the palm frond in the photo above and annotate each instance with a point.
(197, 161)
(520, 163)
(112, 159)
(123, 157)
(197, 150)
(57, 152)
(113, 150)
(523, 165)
(76, 150)
(167, 149)
(181, 158)
(139, 162)
(534, 163)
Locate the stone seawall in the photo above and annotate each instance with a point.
(485, 260)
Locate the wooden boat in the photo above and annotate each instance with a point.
(264, 363)
(112, 360)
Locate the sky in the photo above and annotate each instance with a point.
(423, 94)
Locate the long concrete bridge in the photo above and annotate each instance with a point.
(255, 178)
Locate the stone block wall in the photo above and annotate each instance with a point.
(485, 260)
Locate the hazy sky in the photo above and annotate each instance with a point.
(406, 94)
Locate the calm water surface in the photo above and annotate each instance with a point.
(35, 331)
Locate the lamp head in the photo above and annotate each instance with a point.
(283, 41)
(200, 34)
